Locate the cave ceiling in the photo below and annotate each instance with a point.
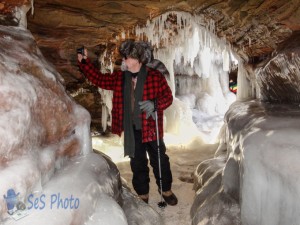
(254, 28)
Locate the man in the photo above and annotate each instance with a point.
(139, 91)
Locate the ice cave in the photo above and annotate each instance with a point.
(232, 131)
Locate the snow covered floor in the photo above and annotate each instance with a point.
(184, 159)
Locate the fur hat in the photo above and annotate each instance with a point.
(139, 50)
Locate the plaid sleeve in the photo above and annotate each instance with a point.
(106, 81)
(164, 96)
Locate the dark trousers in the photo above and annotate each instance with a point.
(140, 169)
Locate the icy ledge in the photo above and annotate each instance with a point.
(87, 191)
(81, 193)
(253, 178)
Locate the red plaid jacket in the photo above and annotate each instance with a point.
(155, 86)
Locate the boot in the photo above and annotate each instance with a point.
(145, 198)
(169, 197)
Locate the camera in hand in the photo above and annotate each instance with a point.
(80, 50)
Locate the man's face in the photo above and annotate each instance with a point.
(131, 64)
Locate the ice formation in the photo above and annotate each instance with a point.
(254, 172)
(41, 127)
(47, 165)
(20, 13)
(265, 145)
(106, 95)
(77, 194)
(187, 47)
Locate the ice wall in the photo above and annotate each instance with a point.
(45, 151)
(40, 126)
(217, 198)
(255, 170)
(263, 139)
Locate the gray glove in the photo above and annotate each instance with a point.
(148, 107)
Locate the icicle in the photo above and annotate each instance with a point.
(190, 30)
(20, 14)
(244, 91)
(123, 35)
(178, 17)
(226, 62)
(32, 7)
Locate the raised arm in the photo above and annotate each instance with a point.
(106, 81)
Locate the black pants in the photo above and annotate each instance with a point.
(140, 169)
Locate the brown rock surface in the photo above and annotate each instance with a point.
(39, 111)
(255, 28)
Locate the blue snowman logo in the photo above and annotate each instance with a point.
(11, 201)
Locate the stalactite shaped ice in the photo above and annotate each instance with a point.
(106, 95)
(226, 61)
(245, 90)
(21, 12)
(187, 36)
